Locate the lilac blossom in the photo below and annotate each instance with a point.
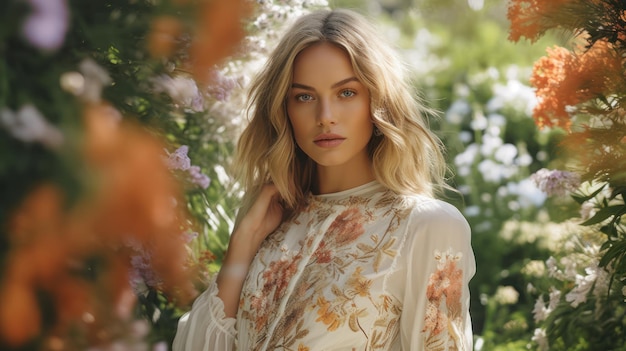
(179, 159)
(221, 86)
(46, 25)
(555, 182)
(182, 90)
(199, 178)
(142, 271)
(189, 236)
(29, 125)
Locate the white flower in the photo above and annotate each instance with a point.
(72, 82)
(95, 78)
(540, 312)
(506, 295)
(535, 268)
(541, 339)
(555, 298)
(29, 125)
(584, 284)
(479, 122)
(506, 154)
(528, 194)
(457, 111)
(515, 95)
(553, 269)
(587, 210)
(182, 90)
(491, 141)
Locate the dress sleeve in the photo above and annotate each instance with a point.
(205, 327)
(439, 264)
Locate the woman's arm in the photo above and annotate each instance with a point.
(263, 218)
(210, 325)
(440, 263)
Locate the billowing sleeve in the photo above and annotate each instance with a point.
(205, 327)
(439, 265)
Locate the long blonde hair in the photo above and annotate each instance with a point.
(407, 157)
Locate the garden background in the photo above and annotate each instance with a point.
(118, 120)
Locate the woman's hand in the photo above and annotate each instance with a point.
(262, 218)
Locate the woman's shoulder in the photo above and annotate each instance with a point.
(426, 209)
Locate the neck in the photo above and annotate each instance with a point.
(336, 179)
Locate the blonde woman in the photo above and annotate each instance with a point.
(340, 243)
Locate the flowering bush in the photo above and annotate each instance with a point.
(582, 91)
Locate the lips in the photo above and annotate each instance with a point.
(328, 140)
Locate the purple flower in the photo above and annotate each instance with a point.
(199, 178)
(179, 159)
(142, 270)
(221, 86)
(47, 24)
(555, 182)
(189, 236)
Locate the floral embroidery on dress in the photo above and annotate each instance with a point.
(443, 318)
(275, 280)
(322, 276)
(344, 310)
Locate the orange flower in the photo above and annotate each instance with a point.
(359, 284)
(326, 316)
(530, 18)
(219, 31)
(20, 318)
(77, 257)
(564, 78)
(548, 76)
(163, 36)
(136, 195)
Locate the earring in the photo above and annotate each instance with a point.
(377, 132)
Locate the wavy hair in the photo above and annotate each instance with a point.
(407, 158)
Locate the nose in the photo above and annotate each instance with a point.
(325, 115)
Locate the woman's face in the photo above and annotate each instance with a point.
(329, 109)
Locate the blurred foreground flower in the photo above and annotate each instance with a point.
(46, 25)
(29, 125)
(68, 269)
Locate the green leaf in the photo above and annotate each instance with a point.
(581, 198)
(605, 213)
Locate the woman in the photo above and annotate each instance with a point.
(340, 244)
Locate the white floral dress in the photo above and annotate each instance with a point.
(362, 269)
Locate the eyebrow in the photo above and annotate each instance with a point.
(339, 83)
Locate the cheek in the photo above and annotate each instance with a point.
(299, 118)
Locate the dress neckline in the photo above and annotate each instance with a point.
(361, 190)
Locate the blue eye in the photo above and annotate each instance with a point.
(304, 97)
(347, 93)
